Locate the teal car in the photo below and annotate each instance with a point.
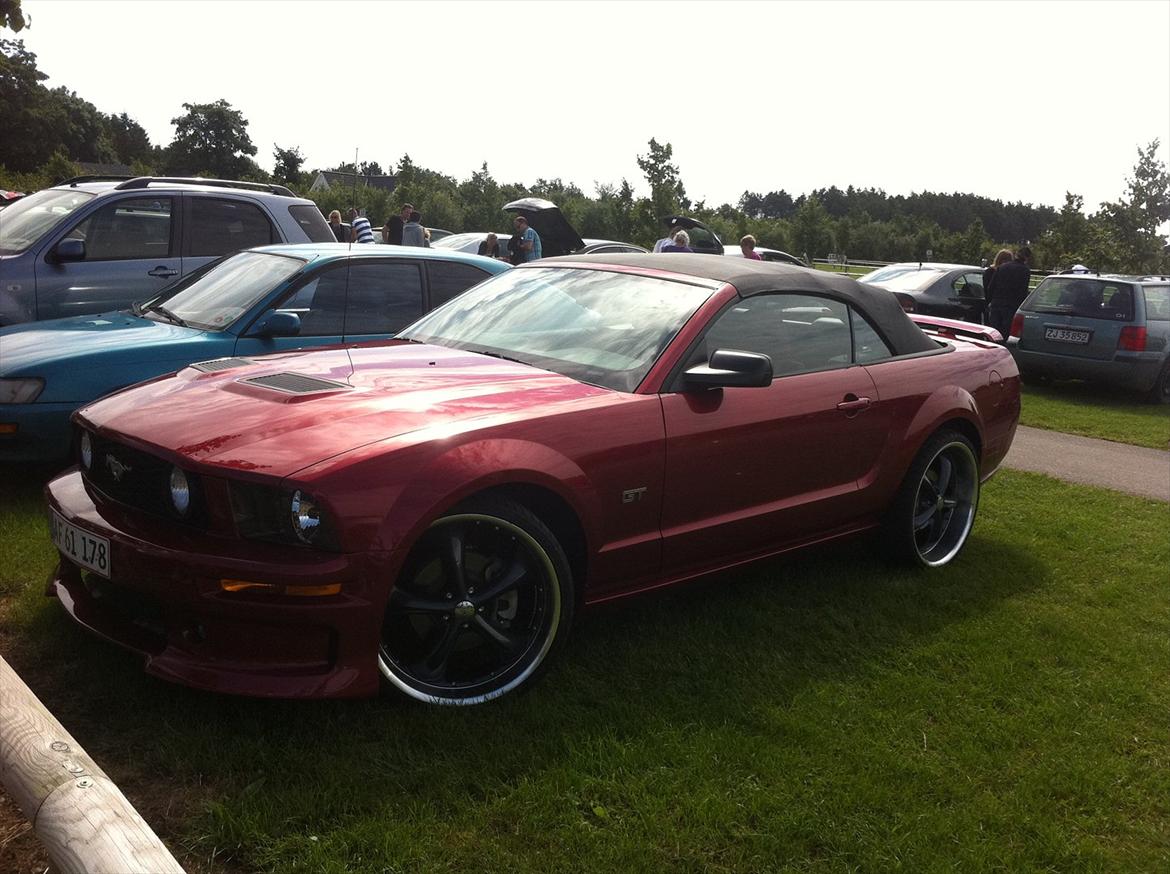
(255, 302)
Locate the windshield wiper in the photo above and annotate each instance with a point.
(498, 355)
(167, 314)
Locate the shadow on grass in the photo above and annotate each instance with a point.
(723, 652)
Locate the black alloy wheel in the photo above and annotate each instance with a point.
(483, 601)
(934, 511)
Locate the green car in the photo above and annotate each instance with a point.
(1114, 330)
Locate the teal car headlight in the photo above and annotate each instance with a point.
(21, 391)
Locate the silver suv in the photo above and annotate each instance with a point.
(94, 244)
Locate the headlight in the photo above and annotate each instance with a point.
(86, 450)
(180, 491)
(306, 516)
(20, 391)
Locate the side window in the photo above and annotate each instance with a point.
(969, 285)
(384, 297)
(449, 279)
(800, 333)
(218, 226)
(127, 229)
(1157, 303)
(320, 303)
(867, 345)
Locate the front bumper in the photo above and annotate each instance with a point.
(1130, 370)
(42, 431)
(164, 601)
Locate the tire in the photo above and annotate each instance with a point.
(927, 525)
(1159, 392)
(484, 600)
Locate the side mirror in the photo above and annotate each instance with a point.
(277, 324)
(731, 368)
(68, 250)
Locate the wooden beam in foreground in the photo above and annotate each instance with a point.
(84, 821)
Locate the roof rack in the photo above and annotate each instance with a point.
(94, 177)
(147, 181)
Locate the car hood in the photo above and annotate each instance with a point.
(557, 236)
(281, 413)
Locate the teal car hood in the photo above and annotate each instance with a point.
(84, 357)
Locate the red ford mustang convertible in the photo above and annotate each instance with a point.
(431, 512)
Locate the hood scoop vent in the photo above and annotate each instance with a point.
(221, 364)
(295, 383)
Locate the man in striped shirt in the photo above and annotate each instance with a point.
(359, 228)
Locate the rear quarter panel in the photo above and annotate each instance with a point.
(974, 385)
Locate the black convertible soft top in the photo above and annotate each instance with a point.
(756, 277)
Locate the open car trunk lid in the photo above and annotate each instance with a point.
(557, 236)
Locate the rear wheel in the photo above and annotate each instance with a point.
(483, 601)
(1159, 393)
(932, 515)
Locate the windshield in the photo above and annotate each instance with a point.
(598, 327)
(227, 290)
(27, 220)
(902, 277)
(1087, 298)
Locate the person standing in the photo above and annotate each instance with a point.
(335, 225)
(359, 228)
(747, 245)
(667, 240)
(680, 243)
(1009, 287)
(412, 231)
(1001, 258)
(529, 240)
(490, 246)
(396, 223)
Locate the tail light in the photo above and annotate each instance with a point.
(1017, 324)
(1132, 339)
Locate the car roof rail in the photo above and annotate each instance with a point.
(94, 177)
(147, 181)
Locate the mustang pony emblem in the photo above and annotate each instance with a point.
(117, 468)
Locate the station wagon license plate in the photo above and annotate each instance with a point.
(1066, 335)
(80, 547)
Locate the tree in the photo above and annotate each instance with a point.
(11, 16)
(129, 139)
(1129, 226)
(288, 164)
(211, 138)
(667, 194)
(23, 108)
(812, 233)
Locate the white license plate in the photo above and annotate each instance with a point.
(80, 547)
(1066, 335)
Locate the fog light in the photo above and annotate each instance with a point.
(180, 491)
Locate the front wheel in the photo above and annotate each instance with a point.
(484, 599)
(928, 523)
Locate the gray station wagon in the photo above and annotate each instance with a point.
(94, 244)
(1109, 329)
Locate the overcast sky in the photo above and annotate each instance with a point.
(1016, 101)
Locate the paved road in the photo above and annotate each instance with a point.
(1133, 469)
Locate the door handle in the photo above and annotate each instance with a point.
(164, 272)
(853, 404)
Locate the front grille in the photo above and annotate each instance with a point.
(295, 383)
(140, 480)
(220, 364)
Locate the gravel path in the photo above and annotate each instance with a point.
(1133, 469)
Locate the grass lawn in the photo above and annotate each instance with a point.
(822, 712)
(1096, 411)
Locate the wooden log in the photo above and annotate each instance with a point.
(84, 821)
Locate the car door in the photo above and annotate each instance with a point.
(748, 469)
(384, 297)
(130, 253)
(216, 225)
(319, 300)
(966, 297)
